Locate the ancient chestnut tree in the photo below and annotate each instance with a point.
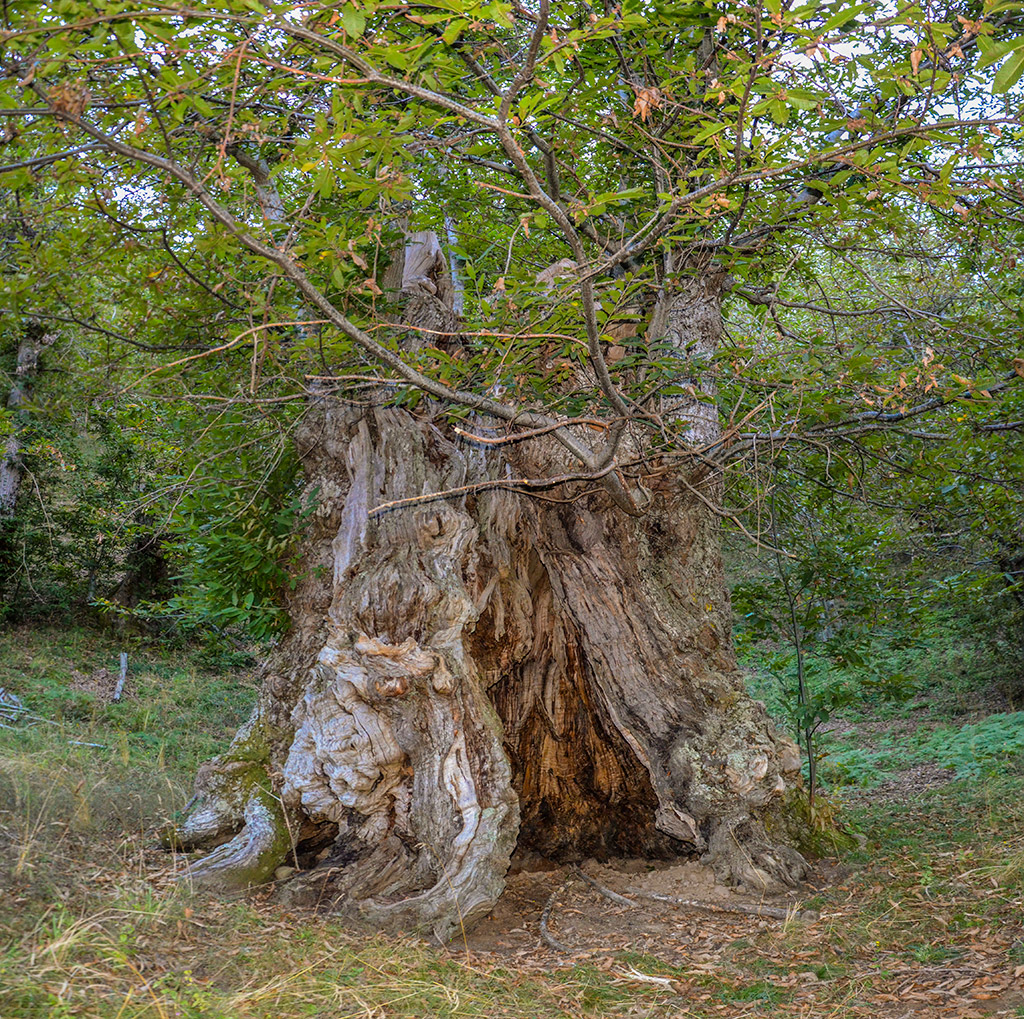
(488, 245)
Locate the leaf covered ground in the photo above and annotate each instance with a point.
(926, 918)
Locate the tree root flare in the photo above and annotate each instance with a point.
(741, 853)
(252, 856)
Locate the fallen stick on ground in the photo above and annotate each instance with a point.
(546, 914)
(773, 912)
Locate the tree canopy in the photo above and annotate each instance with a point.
(202, 202)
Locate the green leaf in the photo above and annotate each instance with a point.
(995, 52)
(325, 182)
(844, 17)
(354, 21)
(1010, 71)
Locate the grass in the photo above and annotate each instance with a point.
(178, 712)
(94, 923)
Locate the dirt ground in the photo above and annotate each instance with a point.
(587, 922)
(796, 961)
(694, 952)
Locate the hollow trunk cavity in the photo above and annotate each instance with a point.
(491, 669)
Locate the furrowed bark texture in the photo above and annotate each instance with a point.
(476, 672)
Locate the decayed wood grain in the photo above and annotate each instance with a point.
(474, 672)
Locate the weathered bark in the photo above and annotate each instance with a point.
(35, 341)
(476, 671)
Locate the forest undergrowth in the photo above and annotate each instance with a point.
(924, 918)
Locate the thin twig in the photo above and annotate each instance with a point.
(511, 484)
(228, 346)
(533, 433)
(722, 512)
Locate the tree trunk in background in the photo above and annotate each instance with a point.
(492, 669)
(30, 350)
(12, 468)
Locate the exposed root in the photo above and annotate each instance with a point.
(545, 915)
(606, 892)
(774, 912)
(251, 857)
(217, 810)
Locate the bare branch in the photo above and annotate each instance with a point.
(526, 71)
(509, 484)
(28, 164)
(294, 271)
(506, 440)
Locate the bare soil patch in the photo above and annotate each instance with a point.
(102, 684)
(589, 923)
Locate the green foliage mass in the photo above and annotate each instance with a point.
(979, 747)
(234, 550)
(204, 203)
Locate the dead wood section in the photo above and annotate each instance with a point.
(470, 674)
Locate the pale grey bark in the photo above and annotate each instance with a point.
(469, 673)
(30, 351)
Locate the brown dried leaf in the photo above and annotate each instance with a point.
(647, 99)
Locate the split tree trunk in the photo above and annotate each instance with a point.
(489, 670)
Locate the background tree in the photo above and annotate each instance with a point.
(510, 619)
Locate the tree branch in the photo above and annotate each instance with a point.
(293, 271)
(28, 164)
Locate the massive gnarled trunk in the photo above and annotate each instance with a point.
(492, 669)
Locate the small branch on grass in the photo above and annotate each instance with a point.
(632, 973)
(119, 689)
(10, 704)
